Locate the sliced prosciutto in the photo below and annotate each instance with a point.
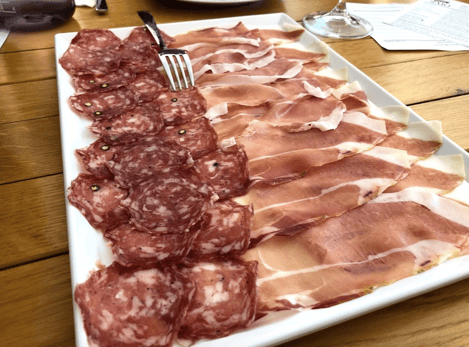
(326, 191)
(99, 201)
(96, 156)
(170, 202)
(276, 155)
(142, 121)
(225, 230)
(225, 170)
(198, 136)
(147, 158)
(131, 246)
(96, 105)
(133, 306)
(387, 239)
(224, 299)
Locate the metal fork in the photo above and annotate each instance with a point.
(173, 56)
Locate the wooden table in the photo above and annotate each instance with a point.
(35, 290)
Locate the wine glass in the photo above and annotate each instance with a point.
(338, 23)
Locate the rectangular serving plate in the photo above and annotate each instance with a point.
(87, 247)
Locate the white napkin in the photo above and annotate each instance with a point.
(89, 3)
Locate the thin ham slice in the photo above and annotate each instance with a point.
(276, 155)
(224, 300)
(134, 306)
(99, 201)
(326, 191)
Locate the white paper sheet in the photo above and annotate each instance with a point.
(3, 36)
(396, 38)
(445, 19)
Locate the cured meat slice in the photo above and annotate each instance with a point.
(419, 139)
(114, 80)
(225, 231)
(437, 174)
(224, 299)
(141, 55)
(198, 136)
(225, 170)
(147, 158)
(141, 34)
(170, 202)
(279, 68)
(290, 34)
(180, 107)
(96, 156)
(309, 59)
(142, 121)
(353, 97)
(147, 86)
(134, 306)
(131, 246)
(276, 155)
(217, 35)
(96, 39)
(80, 61)
(396, 117)
(247, 50)
(104, 105)
(323, 192)
(387, 239)
(305, 113)
(99, 201)
(230, 62)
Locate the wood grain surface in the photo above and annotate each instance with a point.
(35, 290)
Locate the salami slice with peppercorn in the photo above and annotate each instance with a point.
(134, 306)
(99, 201)
(142, 121)
(95, 156)
(104, 105)
(147, 158)
(96, 39)
(225, 230)
(170, 202)
(131, 246)
(225, 170)
(198, 136)
(224, 299)
(80, 61)
(147, 86)
(182, 106)
(113, 80)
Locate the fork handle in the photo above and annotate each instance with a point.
(150, 23)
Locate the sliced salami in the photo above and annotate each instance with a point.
(131, 246)
(147, 158)
(99, 201)
(95, 157)
(96, 39)
(224, 299)
(142, 121)
(225, 230)
(198, 136)
(80, 61)
(141, 34)
(148, 85)
(114, 80)
(182, 106)
(133, 307)
(141, 55)
(104, 105)
(225, 170)
(171, 202)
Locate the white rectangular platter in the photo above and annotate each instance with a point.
(87, 245)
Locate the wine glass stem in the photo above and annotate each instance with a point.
(340, 8)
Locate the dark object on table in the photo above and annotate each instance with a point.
(32, 15)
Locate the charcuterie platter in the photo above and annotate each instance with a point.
(88, 249)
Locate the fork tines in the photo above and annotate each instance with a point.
(172, 61)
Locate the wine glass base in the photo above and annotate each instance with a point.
(337, 26)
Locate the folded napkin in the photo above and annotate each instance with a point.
(89, 3)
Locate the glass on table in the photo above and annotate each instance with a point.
(338, 23)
